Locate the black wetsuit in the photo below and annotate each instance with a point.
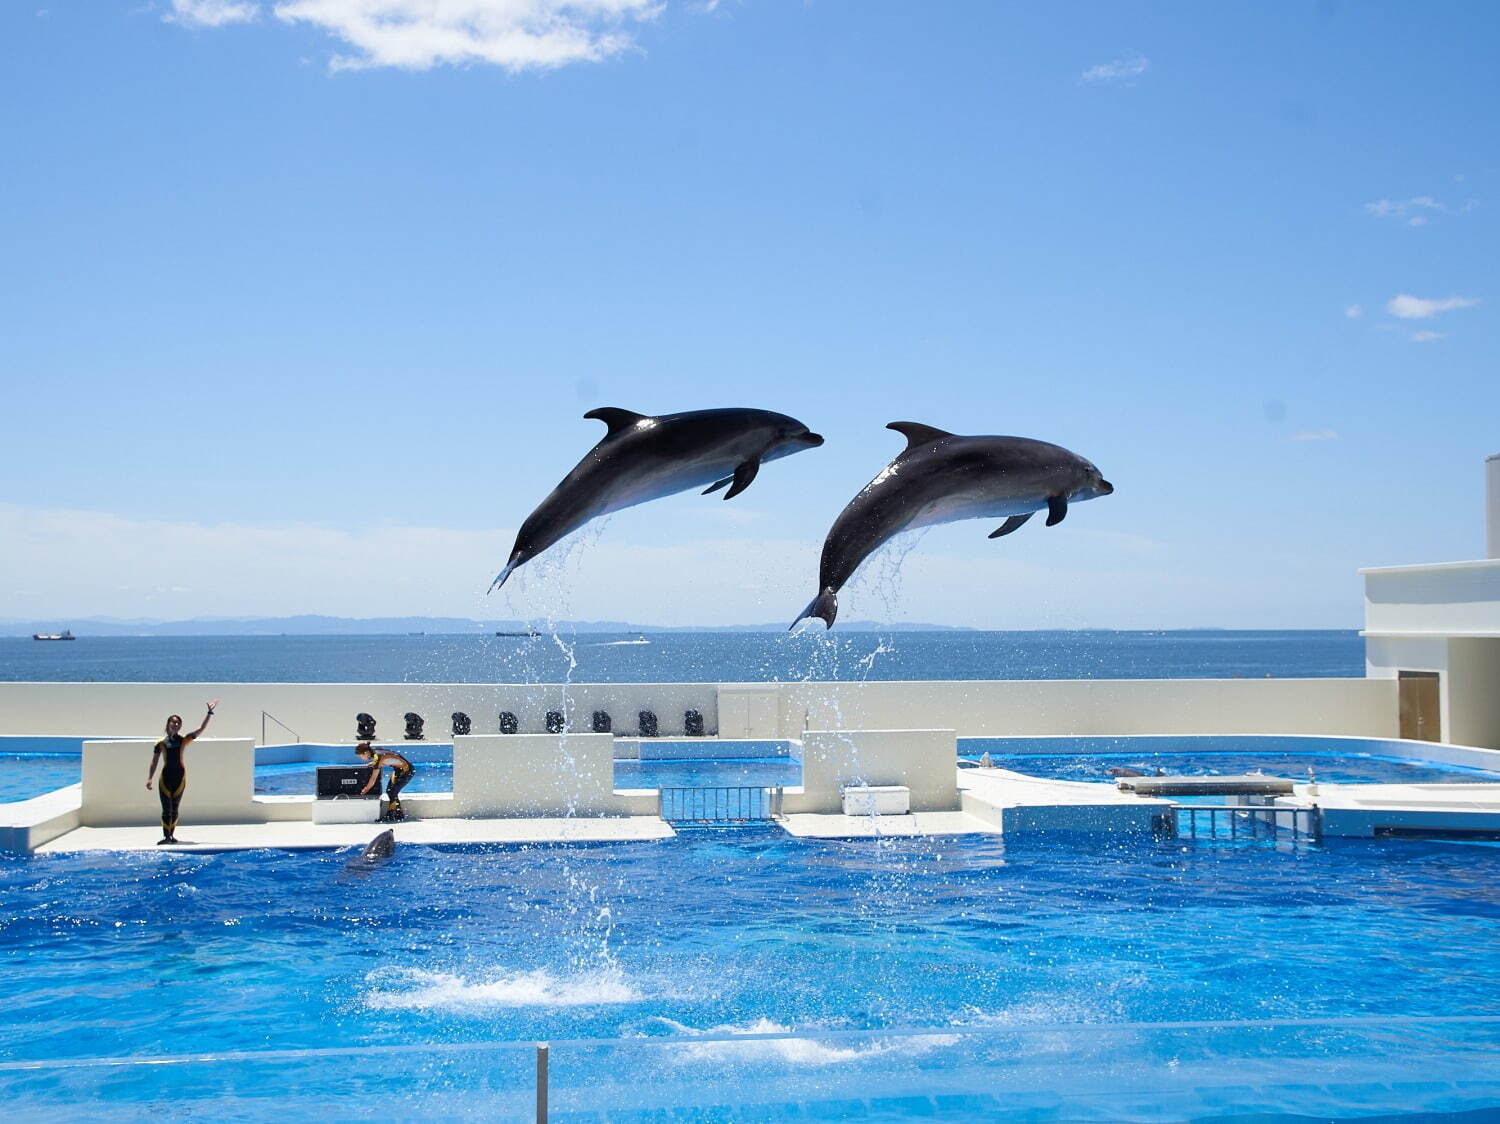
(400, 774)
(173, 780)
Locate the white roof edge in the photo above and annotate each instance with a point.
(1477, 563)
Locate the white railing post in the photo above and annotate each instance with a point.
(541, 1083)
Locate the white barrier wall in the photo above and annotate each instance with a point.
(921, 760)
(1444, 599)
(1020, 708)
(540, 775)
(324, 712)
(220, 783)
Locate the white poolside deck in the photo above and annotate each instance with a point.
(297, 835)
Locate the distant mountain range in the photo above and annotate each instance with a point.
(388, 626)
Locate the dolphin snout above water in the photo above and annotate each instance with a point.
(383, 846)
(645, 458)
(942, 477)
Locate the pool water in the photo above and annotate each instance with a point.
(32, 774)
(733, 932)
(1332, 760)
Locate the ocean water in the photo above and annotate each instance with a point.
(724, 657)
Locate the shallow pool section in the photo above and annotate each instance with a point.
(1334, 760)
(1043, 961)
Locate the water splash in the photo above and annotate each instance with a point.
(416, 989)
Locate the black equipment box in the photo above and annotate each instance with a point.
(344, 780)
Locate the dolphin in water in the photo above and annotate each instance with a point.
(643, 458)
(382, 847)
(376, 851)
(941, 477)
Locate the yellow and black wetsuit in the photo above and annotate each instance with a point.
(173, 780)
(401, 773)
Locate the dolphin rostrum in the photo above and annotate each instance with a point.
(643, 458)
(941, 477)
(383, 846)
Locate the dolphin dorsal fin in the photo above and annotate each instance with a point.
(918, 434)
(616, 418)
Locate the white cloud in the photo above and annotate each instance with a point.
(1317, 435)
(1120, 70)
(1428, 337)
(1415, 308)
(514, 34)
(1418, 210)
(211, 13)
(1353, 311)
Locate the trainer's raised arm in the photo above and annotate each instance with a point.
(204, 725)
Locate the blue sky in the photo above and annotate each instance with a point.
(299, 311)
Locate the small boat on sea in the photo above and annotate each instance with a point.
(65, 634)
(531, 633)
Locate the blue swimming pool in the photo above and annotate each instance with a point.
(1334, 760)
(35, 766)
(1049, 955)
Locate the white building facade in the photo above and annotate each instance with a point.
(1436, 630)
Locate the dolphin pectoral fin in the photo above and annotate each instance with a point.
(825, 606)
(1057, 510)
(716, 485)
(742, 477)
(918, 434)
(616, 418)
(1012, 524)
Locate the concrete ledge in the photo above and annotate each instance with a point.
(1014, 802)
(308, 836)
(813, 825)
(27, 824)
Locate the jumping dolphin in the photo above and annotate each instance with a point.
(941, 477)
(643, 458)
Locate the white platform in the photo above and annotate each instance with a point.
(300, 835)
(877, 800)
(362, 810)
(817, 825)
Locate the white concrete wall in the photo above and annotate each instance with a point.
(220, 783)
(1135, 706)
(1443, 599)
(1471, 693)
(544, 775)
(921, 760)
(1492, 505)
(324, 712)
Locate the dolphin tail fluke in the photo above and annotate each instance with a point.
(825, 606)
(501, 576)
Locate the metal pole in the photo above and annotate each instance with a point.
(541, 1083)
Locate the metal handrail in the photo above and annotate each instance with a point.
(264, 714)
